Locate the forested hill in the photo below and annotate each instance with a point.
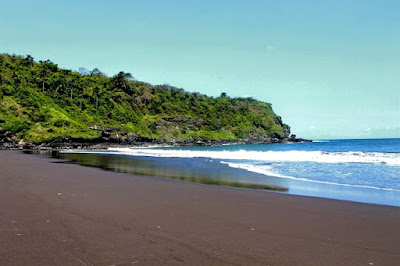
(42, 103)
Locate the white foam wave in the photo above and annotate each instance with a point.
(272, 156)
(266, 170)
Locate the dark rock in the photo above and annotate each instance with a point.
(293, 138)
(277, 136)
(109, 129)
(286, 129)
(95, 127)
(2, 120)
(105, 134)
(275, 140)
(27, 146)
(115, 138)
(131, 138)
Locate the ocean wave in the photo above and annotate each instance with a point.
(269, 156)
(267, 170)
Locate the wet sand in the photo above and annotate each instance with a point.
(64, 214)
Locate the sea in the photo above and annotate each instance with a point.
(360, 170)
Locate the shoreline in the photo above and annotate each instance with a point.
(55, 213)
(205, 173)
(104, 143)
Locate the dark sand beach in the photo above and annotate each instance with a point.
(64, 214)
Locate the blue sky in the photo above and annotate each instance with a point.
(331, 69)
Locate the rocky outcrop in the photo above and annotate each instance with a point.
(8, 140)
(293, 138)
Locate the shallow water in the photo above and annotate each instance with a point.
(202, 171)
(357, 170)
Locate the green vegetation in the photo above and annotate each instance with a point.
(40, 102)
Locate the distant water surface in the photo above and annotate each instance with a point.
(365, 170)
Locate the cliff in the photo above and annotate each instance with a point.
(43, 105)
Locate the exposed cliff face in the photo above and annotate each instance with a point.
(42, 105)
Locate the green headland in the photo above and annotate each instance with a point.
(41, 103)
